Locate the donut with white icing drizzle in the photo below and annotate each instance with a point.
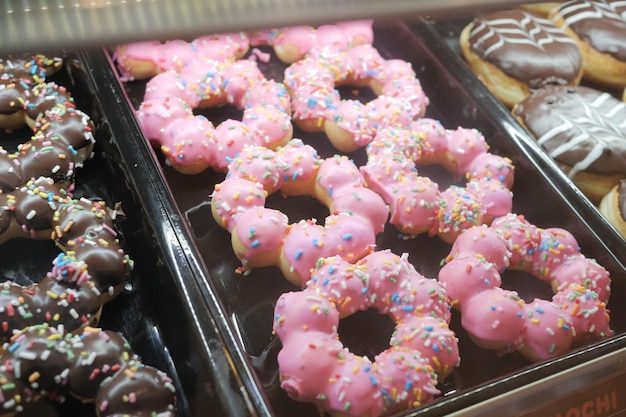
(513, 52)
(599, 30)
(583, 129)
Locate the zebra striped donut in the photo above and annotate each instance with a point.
(514, 52)
(583, 129)
(599, 30)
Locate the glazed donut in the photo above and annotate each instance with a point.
(349, 124)
(415, 202)
(92, 269)
(542, 9)
(500, 319)
(599, 29)
(143, 60)
(583, 130)
(262, 236)
(190, 143)
(292, 43)
(514, 52)
(423, 348)
(613, 207)
(96, 366)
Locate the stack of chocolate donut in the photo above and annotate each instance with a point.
(534, 60)
(49, 348)
(335, 265)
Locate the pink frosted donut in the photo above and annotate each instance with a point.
(263, 237)
(349, 124)
(292, 43)
(191, 143)
(415, 202)
(499, 319)
(143, 60)
(423, 348)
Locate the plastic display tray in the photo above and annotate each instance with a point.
(160, 312)
(242, 306)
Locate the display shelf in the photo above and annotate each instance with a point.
(53, 24)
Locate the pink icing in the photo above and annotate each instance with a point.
(171, 96)
(156, 114)
(357, 214)
(189, 140)
(586, 273)
(260, 230)
(588, 313)
(300, 163)
(466, 275)
(312, 81)
(495, 319)
(416, 205)
(234, 196)
(549, 331)
(423, 346)
(359, 31)
(522, 238)
(257, 164)
(271, 126)
(433, 338)
(499, 319)
(177, 54)
(486, 242)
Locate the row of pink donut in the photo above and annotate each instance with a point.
(336, 264)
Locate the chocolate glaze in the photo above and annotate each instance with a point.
(68, 125)
(152, 389)
(53, 300)
(85, 230)
(580, 127)
(63, 135)
(601, 24)
(44, 362)
(528, 48)
(101, 356)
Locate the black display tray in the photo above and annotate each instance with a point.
(243, 306)
(161, 311)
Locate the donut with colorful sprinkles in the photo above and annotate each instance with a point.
(62, 137)
(190, 142)
(95, 365)
(423, 348)
(415, 202)
(500, 319)
(91, 271)
(262, 236)
(349, 124)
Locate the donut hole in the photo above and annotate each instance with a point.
(14, 137)
(352, 92)
(439, 174)
(26, 261)
(366, 333)
(219, 114)
(526, 285)
(298, 208)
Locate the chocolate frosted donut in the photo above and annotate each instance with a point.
(514, 51)
(599, 30)
(96, 366)
(583, 129)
